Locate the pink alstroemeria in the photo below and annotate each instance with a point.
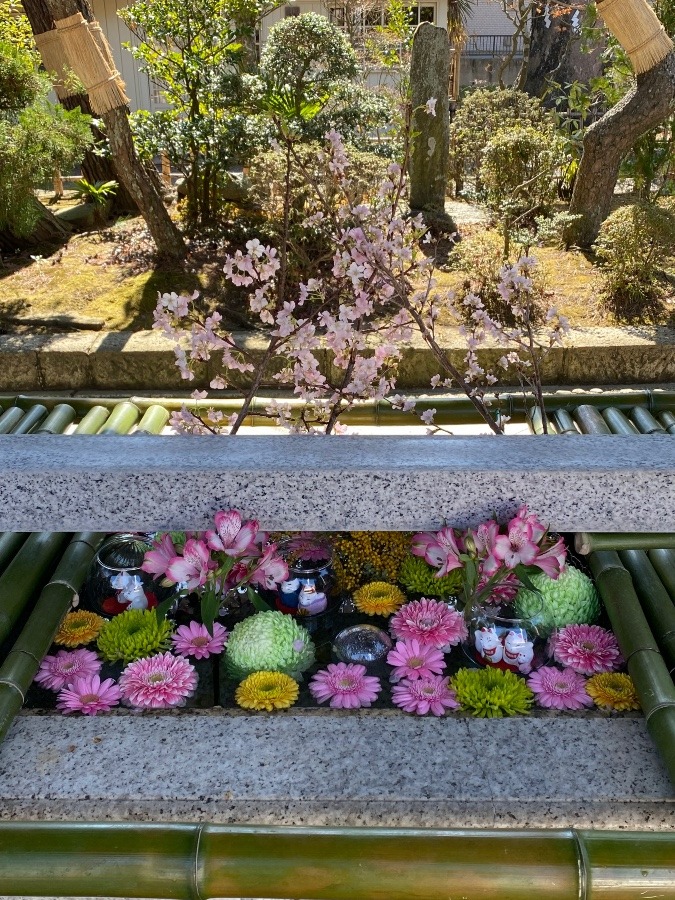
(516, 547)
(484, 537)
(524, 515)
(157, 561)
(230, 536)
(553, 560)
(271, 569)
(441, 552)
(193, 567)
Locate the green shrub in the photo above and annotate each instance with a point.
(307, 56)
(480, 258)
(481, 114)
(309, 175)
(518, 171)
(633, 242)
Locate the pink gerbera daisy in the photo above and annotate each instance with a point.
(423, 695)
(194, 640)
(89, 695)
(588, 649)
(430, 622)
(346, 685)
(414, 660)
(158, 682)
(558, 689)
(67, 665)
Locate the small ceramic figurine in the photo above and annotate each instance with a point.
(290, 593)
(311, 602)
(518, 652)
(488, 644)
(130, 591)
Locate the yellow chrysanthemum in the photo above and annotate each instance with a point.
(379, 599)
(613, 690)
(364, 556)
(267, 690)
(79, 628)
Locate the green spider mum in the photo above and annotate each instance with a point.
(418, 577)
(133, 635)
(492, 693)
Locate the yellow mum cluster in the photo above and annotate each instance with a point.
(379, 599)
(79, 628)
(364, 556)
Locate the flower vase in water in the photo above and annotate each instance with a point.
(308, 592)
(494, 562)
(498, 637)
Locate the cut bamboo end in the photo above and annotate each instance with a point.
(636, 27)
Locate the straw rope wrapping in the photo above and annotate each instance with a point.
(636, 27)
(81, 46)
(49, 45)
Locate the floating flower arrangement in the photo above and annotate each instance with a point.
(488, 622)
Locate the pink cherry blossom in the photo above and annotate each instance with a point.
(230, 536)
(425, 695)
(193, 567)
(414, 660)
(157, 561)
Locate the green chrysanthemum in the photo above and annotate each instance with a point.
(418, 577)
(570, 600)
(492, 693)
(133, 635)
(271, 642)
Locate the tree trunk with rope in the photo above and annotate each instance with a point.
(610, 139)
(130, 171)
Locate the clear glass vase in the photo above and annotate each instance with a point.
(499, 638)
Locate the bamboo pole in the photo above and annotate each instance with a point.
(645, 421)
(92, 422)
(618, 422)
(177, 862)
(563, 423)
(589, 420)
(588, 542)
(10, 541)
(29, 569)
(30, 420)
(655, 601)
(664, 564)
(58, 420)
(508, 403)
(646, 666)
(10, 419)
(667, 419)
(23, 660)
(122, 419)
(154, 419)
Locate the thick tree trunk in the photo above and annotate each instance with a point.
(130, 171)
(607, 141)
(101, 168)
(555, 55)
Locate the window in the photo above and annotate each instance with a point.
(366, 17)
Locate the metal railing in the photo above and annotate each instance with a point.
(491, 46)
